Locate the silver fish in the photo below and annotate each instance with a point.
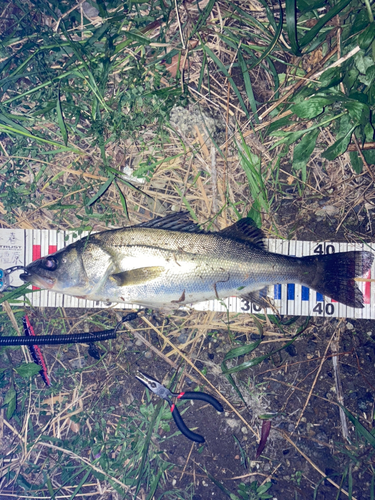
(169, 262)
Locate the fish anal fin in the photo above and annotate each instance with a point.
(137, 276)
(259, 297)
(244, 230)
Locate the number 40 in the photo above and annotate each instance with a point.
(329, 308)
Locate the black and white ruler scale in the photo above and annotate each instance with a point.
(22, 246)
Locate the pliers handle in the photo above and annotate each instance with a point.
(158, 389)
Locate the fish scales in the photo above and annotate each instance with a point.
(160, 267)
(198, 266)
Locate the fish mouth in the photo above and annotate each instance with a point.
(40, 281)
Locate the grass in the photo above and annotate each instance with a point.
(86, 144)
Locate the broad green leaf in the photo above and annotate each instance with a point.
(369, 132)
(356, 162)
(365, 38)
(310, 108)
(331, 77)
(11, 408)
(255, 214)
(363, 62)
(303, 150)
(10, 400)
(339, 147)
(11, 394)
(350, 78)
(368, 78)
(28, 370)
(358, 111)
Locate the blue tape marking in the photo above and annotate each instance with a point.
(305, 293)
(290, 291)
(277, 292)
(319, 297)
(1, 273)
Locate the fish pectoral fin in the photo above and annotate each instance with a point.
(259, 297)
(137, 276)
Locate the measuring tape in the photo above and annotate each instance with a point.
(19, 247)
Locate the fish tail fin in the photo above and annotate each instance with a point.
(334, 275)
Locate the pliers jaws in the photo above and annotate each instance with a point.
(161, 391)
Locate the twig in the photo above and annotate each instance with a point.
(313, 384)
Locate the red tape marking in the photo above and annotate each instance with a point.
(367, 290)
(52, 249)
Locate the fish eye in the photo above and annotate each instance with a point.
(50, 263)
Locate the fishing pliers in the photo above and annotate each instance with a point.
(159, 389)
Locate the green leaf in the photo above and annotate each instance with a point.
(358, 111)
(122, 199)
(339, 147)
(367, 36)
(356, 162)
(61, 122)
(11, 408)
(291, 25)
(223, 69)
(331, 77)
(241, 351)
(256, 361)
(368, 78)
(362, 62)
(11, 394)
(101, 191)
(255, 214)
(203, 17)
(313, 32)
(369, 132)
(359, 427)
(303, 150)
(310, 108)
(10, 400)
(248, 86)
(28, 370)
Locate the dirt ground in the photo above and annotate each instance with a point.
(306, 438)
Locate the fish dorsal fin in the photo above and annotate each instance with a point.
(179, 221)
(137, 276)
(244, 230)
